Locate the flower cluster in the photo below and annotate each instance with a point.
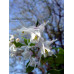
(32, 49)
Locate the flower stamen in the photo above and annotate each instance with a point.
(46, 51)
(36, 37)
(22, 31)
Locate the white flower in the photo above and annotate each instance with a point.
(46, 51)
(26, 54)
(33, 62)
(35, 37)
(23, 31)
(42, 26)
(35, 32)
(12, 54)
(45, 48)
(13, 49)
(17, 39)
(48, 43)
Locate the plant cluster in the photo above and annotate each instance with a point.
(38, 51)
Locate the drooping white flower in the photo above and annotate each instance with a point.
(46, 51)
(45, 48)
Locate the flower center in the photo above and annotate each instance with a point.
(46, 51)
(22, 31)
(36, 37)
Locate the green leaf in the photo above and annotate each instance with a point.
(59, 59)
(61, 51)
(48, 59)
(27, 64)
(55, 48)
(32, 44)
(54, 71)
(26, 41)
(60, 56)
(18, 44)
(37, 23)
(53, 60)
(29, 69)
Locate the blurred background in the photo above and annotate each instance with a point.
(35, 12)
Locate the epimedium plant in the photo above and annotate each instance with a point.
(37, 50)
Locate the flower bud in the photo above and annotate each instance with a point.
(17, 40)
(12, 38)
